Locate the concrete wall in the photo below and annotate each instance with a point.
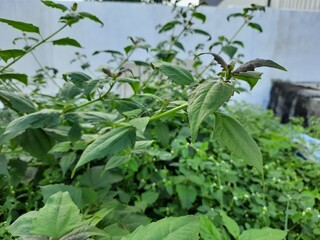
(290, 38)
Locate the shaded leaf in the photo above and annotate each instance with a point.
(25, 27)
(5, 55)
(176, 74)
(17, 102)
(108, 145)
(169, 25)
(251, 65)
(23, 225)
(18, 76)
(202, 32)
(255, 26)
(200, 16)
(149, 197)
(238, 141)
(205, 99)
(140, 123)
(116, 161)
(66, 161)
(41, 119)
(187, 195)
(91, 17)
(67, 42)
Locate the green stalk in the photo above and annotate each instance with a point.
(167, 113)
(32, 48)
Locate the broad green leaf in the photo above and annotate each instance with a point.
(3, 165)
(134, 83)
(115, 232)
(23, 225)
(5, 55)
(58, 217)
(116, 161)
(140, 123)
(67, 42)
(83, 233)
(202, 32)
(231, 225)
(229, 50)
(59, 6)
(41, 119)
(200, 16)
(187, 195)
(99, 215)
(17, 102)
(207, 230)
(61, 147)
(176, 74)
(25, 27)
(168, 26)
(66, 161)
(149, 197)
(75, 132)
(162, 133)
(250, 77)
(255, 26)
(263, 234)
(127, 105)
(77, 78)
(91, 17)
(206, 98)
(18, 76)
(69, 91)
(37, 142)
(238, 140)
(108, 145)
(75, 193)
(177, 228)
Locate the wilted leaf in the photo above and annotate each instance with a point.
(251, 65)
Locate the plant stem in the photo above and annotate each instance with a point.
(167, 113)
(32, 48)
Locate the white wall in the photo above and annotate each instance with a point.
(290, 38)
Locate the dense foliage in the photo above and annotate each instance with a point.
(90, 164)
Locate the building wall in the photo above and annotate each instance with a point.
(290, 38)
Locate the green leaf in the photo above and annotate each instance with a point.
(115, 232)
(177, 228)
(140, 123)
(41, 119)
(207, 230)
(67, 42)
(231, 225)
(61, 147)
(25, 27)
(23, 225)
(58, 217)
(18, 76)
(112, 52)
(149, 197)
(5, 55)
(176, 74)
(187, 195)
(59, 6)
(75, 193)
(206, 98)
(75, 132)
(250, 77)
(179, 45)
(202, 32)
(229, 50)
(91, 17)
(238, 140)
(36, 142)
(134, 83)
(162, 133)
(234, 15)
(66, 161)
(200, 16)
(116, 161)
(17, 102)
(108, 145)
(255, 26)
(3, 166)
(77, 78)
(263, 234)
(169, 25)
(142, 64)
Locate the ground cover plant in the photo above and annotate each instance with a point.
(171, 161)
